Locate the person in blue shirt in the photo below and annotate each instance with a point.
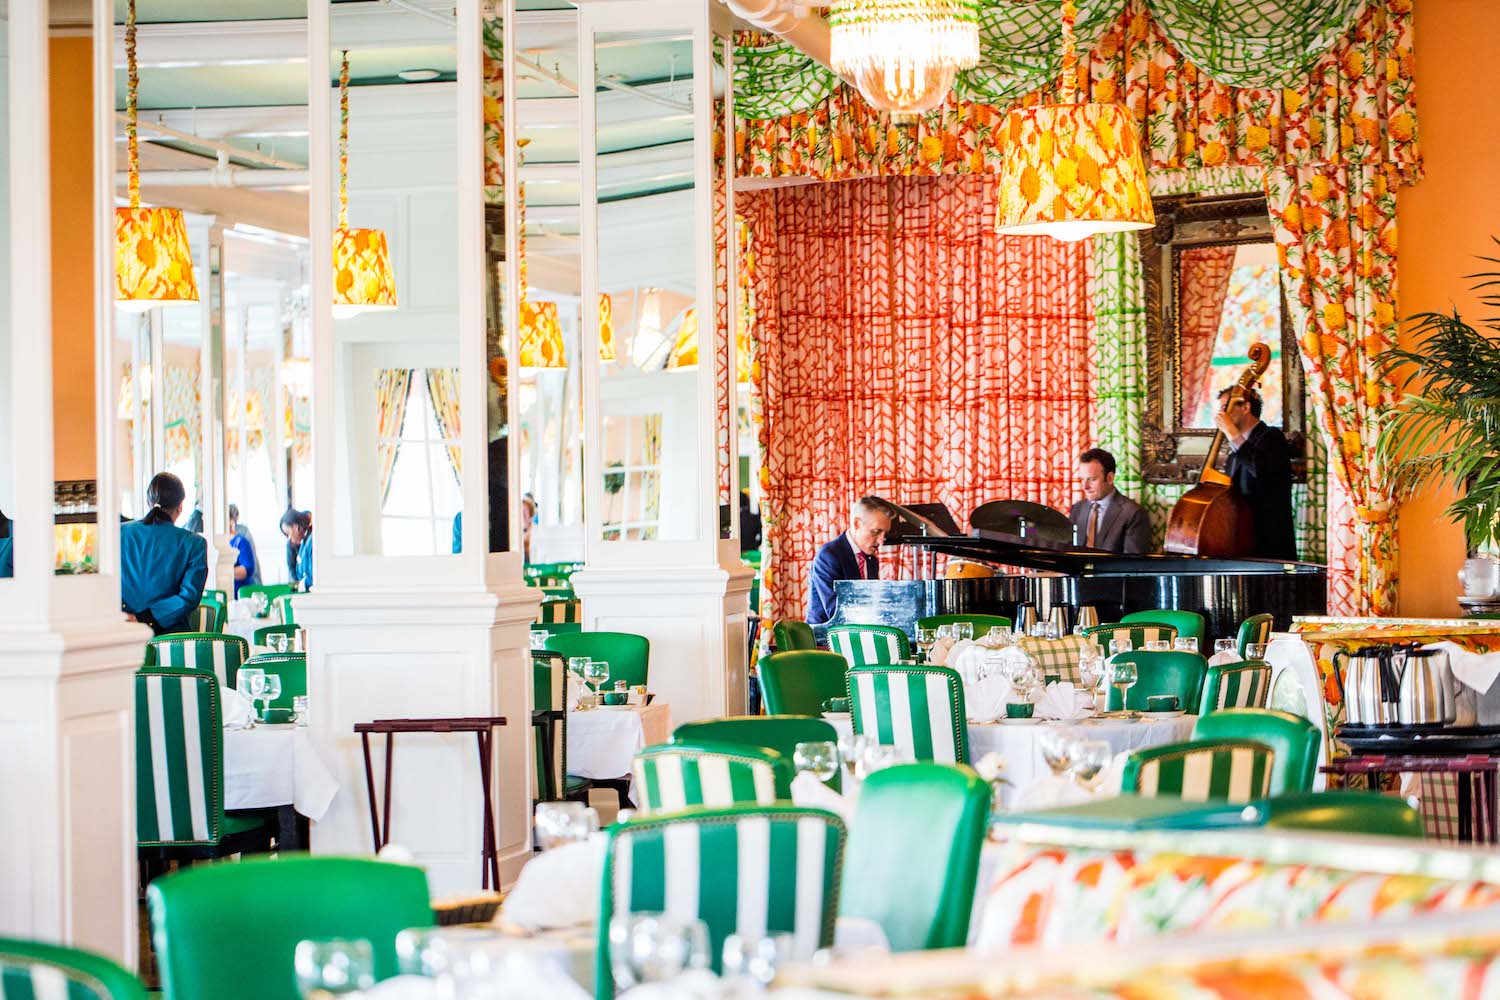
(296, 525)
(246, 565)
(162, 567)
(7, 553)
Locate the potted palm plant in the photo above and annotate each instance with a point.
(1445, 431)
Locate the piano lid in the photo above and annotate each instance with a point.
(1075, 560)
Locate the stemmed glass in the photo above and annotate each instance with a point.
(251, 682)
(926, 638)
(559, 823)
(539, 639)
(1122, 677)
(272, 692)
(1088, 759)
(596, 673)
(1185, 644)
(333, 967)
(299, 709)
(756, 959)
(276, 642)
(1000, 635)
(1223, 646)
(1091, 666)
(852, 748)
(819, 758)
(655, 948)
(1118, 646)
(1255, 651)
(1158, 646)
(1057, 750)
(963, 630)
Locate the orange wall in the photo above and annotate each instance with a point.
(72, 253)
(1445, 220)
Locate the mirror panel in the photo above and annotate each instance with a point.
(7, 454)
(726, 302)
(397, 430)
(1229, 297)
(644, 174)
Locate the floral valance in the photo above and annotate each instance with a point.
(1245, 43)
(1355, 104)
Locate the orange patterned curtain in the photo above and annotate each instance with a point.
(442, 387)
(392, 387)
(1204, 285)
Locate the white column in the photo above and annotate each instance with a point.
(67, 738)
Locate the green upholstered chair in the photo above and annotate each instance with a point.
(549, 695)
(218, 595)
(231, 930)
(1256, 628)
(281, 607)
(290, 667)
(179, 772)
(1345, 811)
(30, 970)
(799, 682)
(781, 733)
(627, 654)
(220, 655)
(918, 709)
(209, 616)
(788, 857)
(1246, 684)
(861, 644)
(1173, 672)
(674, 776)
(1189, 624)
(558, 628)
(1138, 633)
(1237, 771)
(271, 590)
(982, 623)
(559, 612)
(913, 853)
(262, 636)
(790, 634)
(1294, 741)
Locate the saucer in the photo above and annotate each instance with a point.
(836, 716)
(1019, 722)
(1164, 715)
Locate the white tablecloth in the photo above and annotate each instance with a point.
(602, 741)
(271, 766)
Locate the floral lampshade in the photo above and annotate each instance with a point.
(362, 277)
(541, 336)
(153, 265)
(685, 349)
(1071, 171)
(606, 328)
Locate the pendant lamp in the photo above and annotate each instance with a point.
(1072, 170)
(541, 336)
(153, 265)
(362, 277)
(606, 328)
(902, 54)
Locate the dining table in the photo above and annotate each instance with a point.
(602, 741)
(278, 767)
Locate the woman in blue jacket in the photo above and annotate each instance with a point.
(296, 525)
(162, 567)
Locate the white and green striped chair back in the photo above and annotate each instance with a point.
(220, 655)
(281, 607)
(1237, 771)
(179, 764)
(203, 618)
(550, 677)
(863, 644)
(749, 870)
(30, 970)
(1139, 633)
(675, 776)
(1246, 684)
(1256, 628)
(560, 612)
(918, 709)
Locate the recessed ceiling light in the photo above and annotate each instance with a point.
(419, 75)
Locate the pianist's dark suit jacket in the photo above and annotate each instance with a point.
(835, 561)
(1123, 528)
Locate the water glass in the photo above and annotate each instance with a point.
(333, 967)
(756, 959)
(880, 757)
(949, 632)
(1255, 651)
(963, 630)
(1185, 644)
(926, 639)
(1000, 635)
(1224, 646)
(655, 948)
(273, 690)
(1118, 646)
(820, 759)
(1057, 750)
(1051, 630)
(1158, 645)
(1122, 677)
(1088, 759)
(596, 673)
(251, 683)
(852, 749)
(578, 666)
(1091, 666)
(559, 823)
(539, 639)
(276, 642)
(299, 709)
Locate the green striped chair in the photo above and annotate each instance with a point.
(918, 709)
(1237, 771)
(982, 623)
(218, 595)
(1292, 739)
(179, 772)
(273, 591)
(290, 667)
(1189, 624)
(30, 970)
(675, 776)
(1174, 672)
(791, 634)
(748, 870)
(1256, 628)
(203, 619)
(1246, 684)
(862, 644)
(781, 733)
(220, 655)
(281, 607)
(799, 682)
(1139, 633)
(263, 635)
(559, 612)
(550, 723)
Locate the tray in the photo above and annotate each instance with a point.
(1454, 741)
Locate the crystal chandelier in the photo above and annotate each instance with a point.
(902, 54)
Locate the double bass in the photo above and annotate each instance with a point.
(1212, 519)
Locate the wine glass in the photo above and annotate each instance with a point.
(818, 758)
(1122, 677)
(276, 642)
(1088, 759)
(1118, 646)
(1224, 646)
(1158, 646)
(926, 638)
(852, 748)
(596, 673)
(1000, 635)
(251, 682)
(333, 967)
(1185, 644)
(655, 948)
(1255, 651)
(880, 757)
(963, 630)
(539, 639)
(299, 709)
(1057, 750)
(559, 823)
(1091, 666)
(756, 958)
(272, 691)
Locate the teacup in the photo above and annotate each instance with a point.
(1161, 703)
(615, 697)
(280, 716)
(1020, 710)
(836, 705)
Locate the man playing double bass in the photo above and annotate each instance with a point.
(1260, 467)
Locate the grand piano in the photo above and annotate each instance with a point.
(1035, 566)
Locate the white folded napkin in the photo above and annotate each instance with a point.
(967, 657)
(1475, 670)
(985, 700)
(1061, 701)
(404, 988)
(236, 708)
(557, 888)
(940, 651)
(809, 791)
(1226, 656)
(1050, 792)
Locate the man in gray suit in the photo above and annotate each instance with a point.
(1105, 519)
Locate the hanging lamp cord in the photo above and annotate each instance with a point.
(1069, 54)
(132, 88)
(344, 142)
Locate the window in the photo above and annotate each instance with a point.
(632, 479)
(417, 515)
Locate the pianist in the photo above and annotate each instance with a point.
(1104, 518)
(850, 556)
